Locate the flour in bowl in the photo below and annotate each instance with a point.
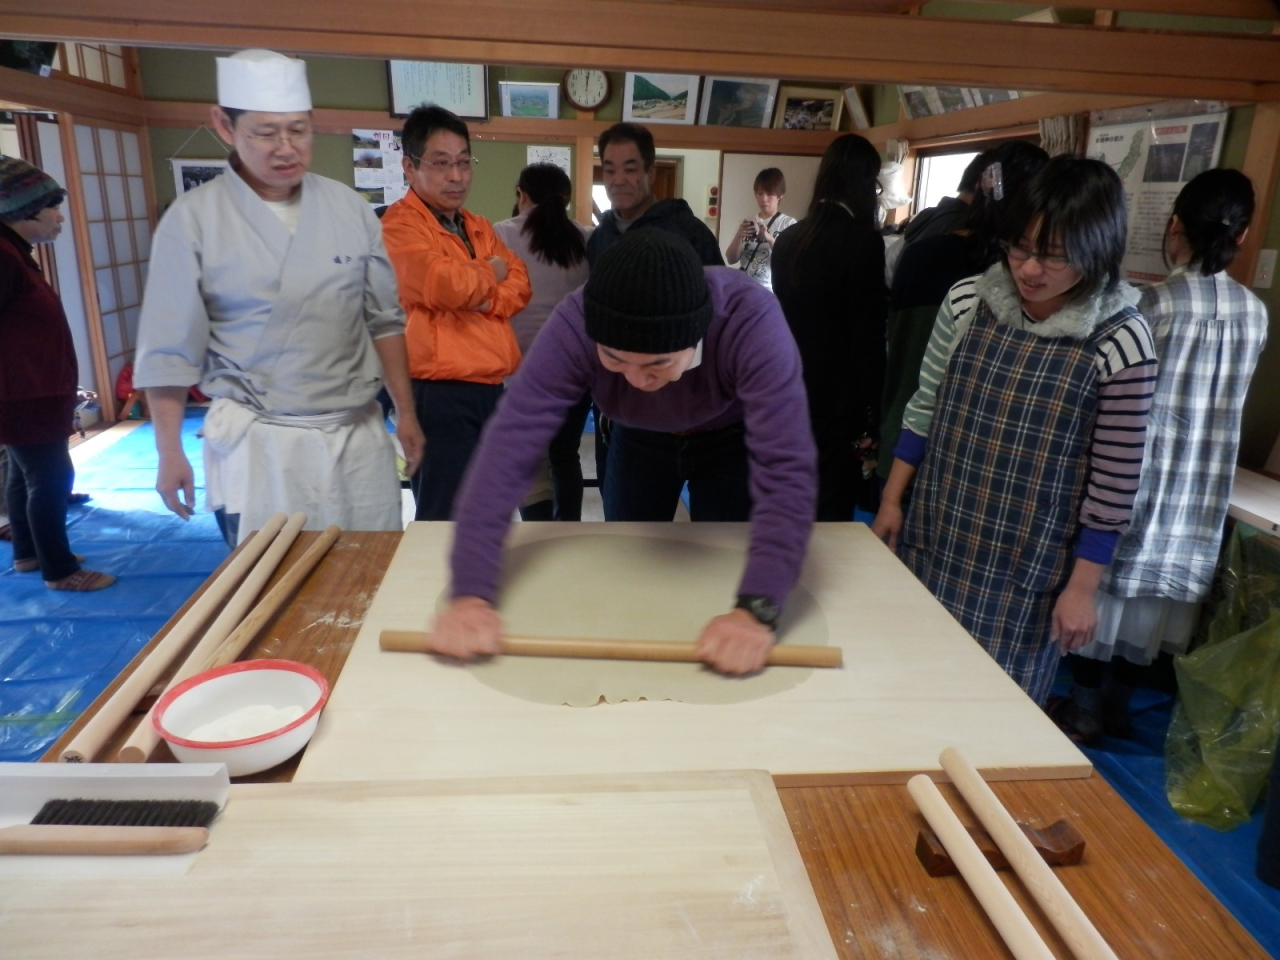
(251, 721)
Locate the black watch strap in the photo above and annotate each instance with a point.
(761, 607)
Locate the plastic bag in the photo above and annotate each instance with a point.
(1222, 737)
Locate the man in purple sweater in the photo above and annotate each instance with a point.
(698, 367)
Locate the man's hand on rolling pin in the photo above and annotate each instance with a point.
(469, 628)
(735, 643)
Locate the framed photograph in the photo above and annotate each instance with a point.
(460, 87)
(808, 108)
(189, 174)
(660, 98)
(737, 102)
(519, 99)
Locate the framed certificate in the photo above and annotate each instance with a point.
(460, 87)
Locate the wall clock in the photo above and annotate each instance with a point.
(586, 89)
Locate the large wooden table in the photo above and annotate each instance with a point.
(858, 841)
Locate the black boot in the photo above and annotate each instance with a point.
(1115, 710)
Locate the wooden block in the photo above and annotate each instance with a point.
(1060, 844)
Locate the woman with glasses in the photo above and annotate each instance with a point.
(1025, 438)
(1208, 332)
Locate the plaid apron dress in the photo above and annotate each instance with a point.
(996, 502)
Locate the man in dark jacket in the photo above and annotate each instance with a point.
(951, 212)
(626, 156)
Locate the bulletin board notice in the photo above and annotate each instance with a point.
(1155, 155)
(378, 174)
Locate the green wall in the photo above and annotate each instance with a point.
(336, 83)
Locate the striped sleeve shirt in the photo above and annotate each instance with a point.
(1127, 368)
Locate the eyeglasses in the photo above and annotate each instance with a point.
(462, 165)
(1020, 254)
(294, 138)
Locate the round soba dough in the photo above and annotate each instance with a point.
(631, 588)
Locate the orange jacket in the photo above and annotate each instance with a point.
(441, 287)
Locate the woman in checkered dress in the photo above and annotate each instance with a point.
(1208, 332)
(1025, 438)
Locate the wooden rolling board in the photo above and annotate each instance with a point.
(681, 865)
(913, 683)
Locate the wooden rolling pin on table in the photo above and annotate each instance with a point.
(598, 648)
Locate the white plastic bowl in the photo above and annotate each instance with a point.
(218, 693)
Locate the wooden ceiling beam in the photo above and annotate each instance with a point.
(66, 96)
(625, 35)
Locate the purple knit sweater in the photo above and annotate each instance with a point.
(750, 373)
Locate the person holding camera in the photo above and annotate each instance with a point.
(752, 246)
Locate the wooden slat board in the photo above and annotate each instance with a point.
(690, 866)
(913, 683)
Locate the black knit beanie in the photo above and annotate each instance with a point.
(648, 294)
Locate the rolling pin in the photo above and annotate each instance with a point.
(271, 603)
(1022, 939)
(596, 648)
(1057, 903)
(145, 738)
(91, 738)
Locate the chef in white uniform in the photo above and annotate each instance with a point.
(270, 289)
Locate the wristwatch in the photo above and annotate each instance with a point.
(761, 607)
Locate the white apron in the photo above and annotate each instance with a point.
(336, 468)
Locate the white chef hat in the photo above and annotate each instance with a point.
(263, 80)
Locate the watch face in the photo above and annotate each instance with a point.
(762, 608)
(586, 89)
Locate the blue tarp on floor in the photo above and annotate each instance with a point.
(58, 650)
(1224, 862)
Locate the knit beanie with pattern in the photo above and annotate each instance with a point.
(648, 294)
(25, 190)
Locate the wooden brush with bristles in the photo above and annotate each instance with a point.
(112, 827)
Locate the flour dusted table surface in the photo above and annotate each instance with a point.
(680, 865)
(913, 681)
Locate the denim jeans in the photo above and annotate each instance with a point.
(40, 479)
(452, 414)
(647, 471)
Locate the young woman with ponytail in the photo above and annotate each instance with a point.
(554, 249)
(1208, 332)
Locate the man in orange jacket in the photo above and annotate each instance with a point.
(459, 285)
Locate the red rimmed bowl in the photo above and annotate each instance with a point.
(250, 716)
